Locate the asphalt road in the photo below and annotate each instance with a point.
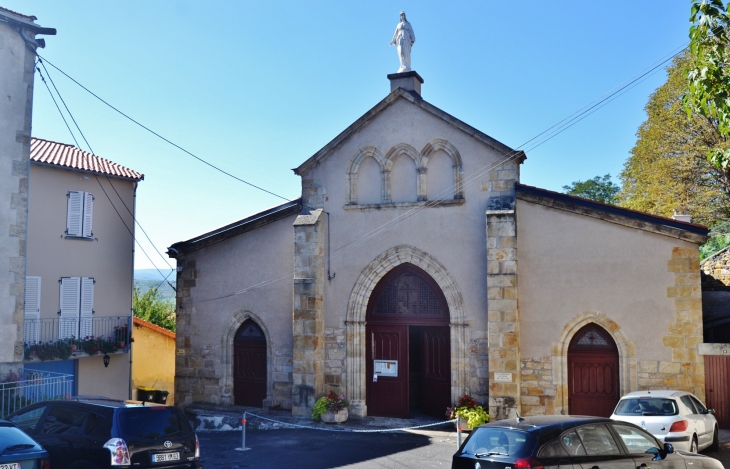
(312, 449)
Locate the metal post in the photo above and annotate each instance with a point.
(458, 432)
(243, 434)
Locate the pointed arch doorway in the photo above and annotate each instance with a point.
(408, 346)
(249, 365)
(593, 372)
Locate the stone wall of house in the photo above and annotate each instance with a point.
(478, 372)
(190, 386)
(538, 390)
(334, 359)
(718, 266)
(281, 381)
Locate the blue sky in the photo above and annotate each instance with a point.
(258, 87)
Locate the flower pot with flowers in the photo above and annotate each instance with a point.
(470, 413)
(331, 408)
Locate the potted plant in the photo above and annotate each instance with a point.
(331, 408)
(470, 413)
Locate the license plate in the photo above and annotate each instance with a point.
(12, 465)
(162, 457)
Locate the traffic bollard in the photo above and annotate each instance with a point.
(243, 434)
(458, 432)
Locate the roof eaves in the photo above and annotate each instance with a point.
(24, 21)
(665, 226)
(418, 101)
(237, 228)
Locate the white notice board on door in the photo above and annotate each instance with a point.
(386, 368)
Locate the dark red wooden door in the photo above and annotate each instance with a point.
(436, 370)
(717, 384)
(388, 397)
(593, 378)
(249, 365)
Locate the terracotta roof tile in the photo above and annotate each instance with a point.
(68, 156)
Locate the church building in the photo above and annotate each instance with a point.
(416, 268)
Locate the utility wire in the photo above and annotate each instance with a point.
(163, 138)
(551, 132)
(90, 165)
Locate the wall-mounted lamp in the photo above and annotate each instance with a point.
(106, 360)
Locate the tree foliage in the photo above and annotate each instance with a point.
(600, 189)
(708, 86)
(152, 308)
(667, 169)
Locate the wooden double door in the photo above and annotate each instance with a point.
(408, 346)
(249, 365)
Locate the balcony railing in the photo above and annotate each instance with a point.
(61, 339)
(27, 387)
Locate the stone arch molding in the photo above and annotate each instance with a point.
(229, 332)
(626, 355)
(357, 309)
(421, 165)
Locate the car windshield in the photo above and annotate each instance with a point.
(152, 423)
(495, 441)
(646, 406)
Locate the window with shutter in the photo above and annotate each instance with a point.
(32, 309)
(79, 214)
(77, 307)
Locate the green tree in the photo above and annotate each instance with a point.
(150, 307)
(708, 77)
(600, 189)
(667, 168)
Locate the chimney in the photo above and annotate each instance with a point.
(408, 81)
(682, 214)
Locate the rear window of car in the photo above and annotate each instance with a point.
(152, 423)
(12, 436)
(494, 441)
(647, 406)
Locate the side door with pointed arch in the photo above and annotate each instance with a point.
(249, 365)
(593, 373)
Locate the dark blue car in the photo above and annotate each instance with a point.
(18, 450)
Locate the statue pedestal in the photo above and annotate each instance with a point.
(408, 81)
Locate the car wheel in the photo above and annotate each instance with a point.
(715, 446)
(693, 445)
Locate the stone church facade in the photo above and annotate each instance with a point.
(416, 268)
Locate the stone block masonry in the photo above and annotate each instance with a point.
(308, 372)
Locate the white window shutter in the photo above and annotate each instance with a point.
(87, 306)
(74, 213)
(68, 324)
(31, 322)
(88, 209)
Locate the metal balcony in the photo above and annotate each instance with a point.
(63, 339)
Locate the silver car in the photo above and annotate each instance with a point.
(675, 417)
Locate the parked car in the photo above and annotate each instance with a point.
(549, 442)
(675, 417)
(18, 450)
(97, 433)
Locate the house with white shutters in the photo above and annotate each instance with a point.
(80, 268)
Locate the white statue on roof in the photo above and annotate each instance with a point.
(404, 37)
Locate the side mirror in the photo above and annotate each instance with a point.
(668, 448)
(711, 411)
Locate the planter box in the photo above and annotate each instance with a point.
(335, 417)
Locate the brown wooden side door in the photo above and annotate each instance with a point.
(717, 384)
(249, 365)
(593, 377)
(436, 370)
(388, 397)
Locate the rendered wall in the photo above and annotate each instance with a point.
(154, 359)
(16, 88)
(642, 287)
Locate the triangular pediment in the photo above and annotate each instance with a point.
(415, 100)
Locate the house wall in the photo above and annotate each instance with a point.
(642, 287)
(206, 325)
(108, 257)
(154, 359)
(16, 87)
